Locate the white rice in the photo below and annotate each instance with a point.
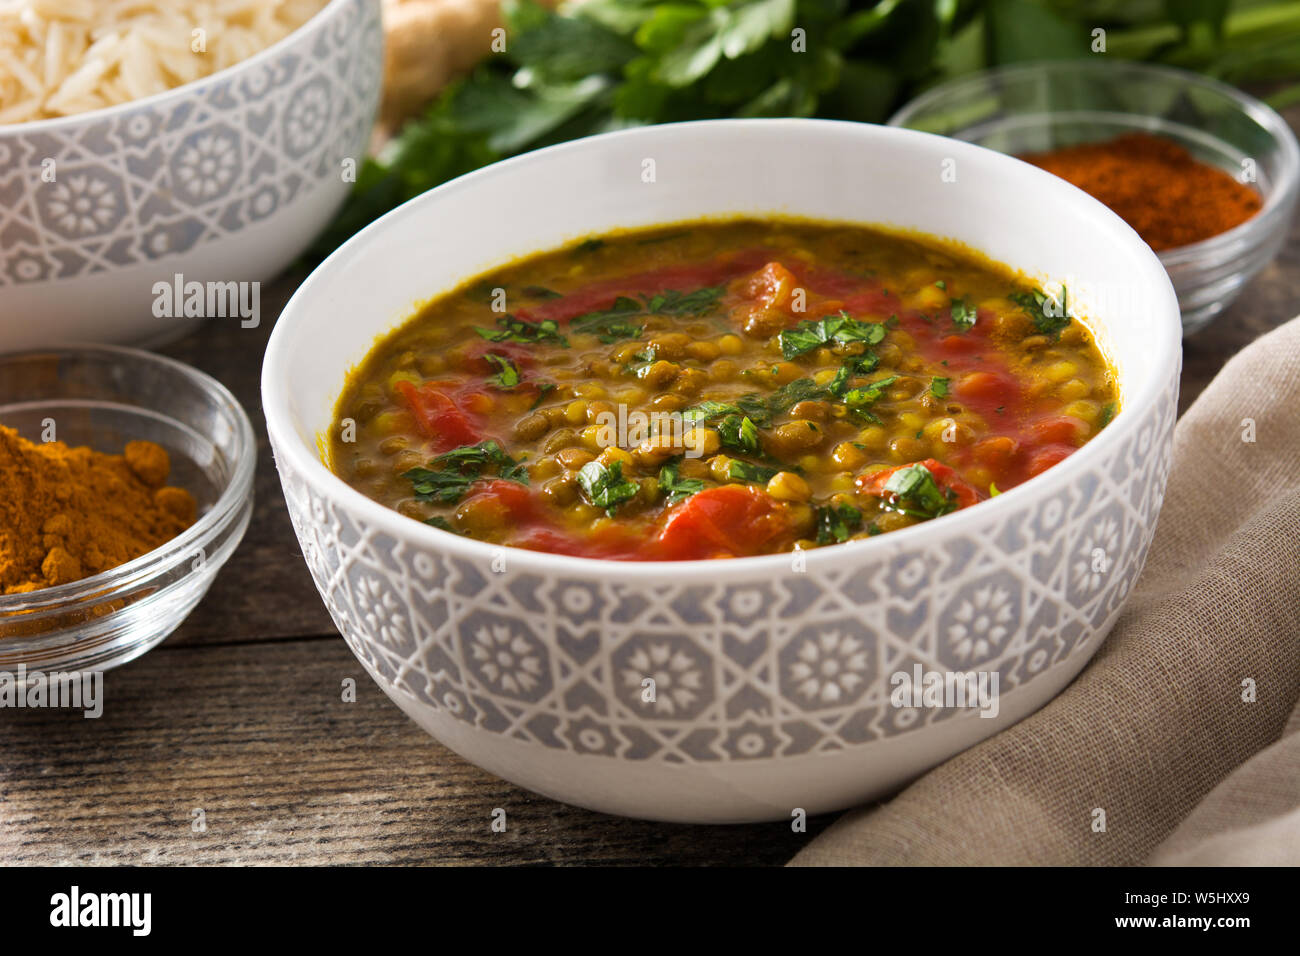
(62, 57)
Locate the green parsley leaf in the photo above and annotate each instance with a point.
(618, 321)
(605, 486)
(450, 474)
(860, 400)
(915, 492)
(674, 486)
(611, 324)
(791, 394)
(852, 367)
(447, 487)
(963, 314)
(1050, 317)
(843, 328)
(836, 523)
(1107, 413)
(511, 329)
(507, 375)
(748, 471)
(739, 432)
(939, 387)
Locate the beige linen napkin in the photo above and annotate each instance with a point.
(1155, 731)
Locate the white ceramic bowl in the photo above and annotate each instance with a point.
(226, 179)
(773, 684)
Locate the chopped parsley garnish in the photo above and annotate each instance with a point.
(605, 486)
(613, 323)
(860, 400)
(963, 314)
(739, 432)
(852, 367)
(641, 361)
(792, 393)
(939, 387)
(1107, 413)
(757, 408)
(1050, 317)
(700, 302)
(438, 521)
(837, 523)
(617, 321)
(450, 474)
(511, 329)
(748, 471)
(710, 409)
(507, 375)
(811, 333)
(675, 486)
(941, 285)
(916, 493)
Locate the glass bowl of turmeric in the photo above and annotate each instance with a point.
(125, 483)
(1205, 174)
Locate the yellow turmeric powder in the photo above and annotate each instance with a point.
(67, 513)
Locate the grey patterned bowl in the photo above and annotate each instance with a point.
(773, 679)
(226, 179)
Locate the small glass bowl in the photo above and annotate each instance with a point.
(1044, 106)
(105, 396)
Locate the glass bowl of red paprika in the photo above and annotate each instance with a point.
(1206, 174)
(103, 397)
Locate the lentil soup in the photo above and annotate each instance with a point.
(720, 389)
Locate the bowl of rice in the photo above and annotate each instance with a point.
(160, 159)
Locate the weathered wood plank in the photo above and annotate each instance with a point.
(259, 738)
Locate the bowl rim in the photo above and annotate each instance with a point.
(100, 587)
(293, 453)
(1276, 202)
(315, 22)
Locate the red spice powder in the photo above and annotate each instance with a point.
(1170, 198)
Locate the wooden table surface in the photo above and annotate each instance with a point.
(239, 713)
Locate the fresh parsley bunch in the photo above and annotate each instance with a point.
(610, 64)
(603, 65)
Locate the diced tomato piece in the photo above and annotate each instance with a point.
(988, 387)
(1046, 457)
(438, 417)
(1060, 430)
(962, 345)
(611, 544)
(772, 286)
(944, 477)
(723, 522)
(514, 500)
(996, 451)
(551, 541)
